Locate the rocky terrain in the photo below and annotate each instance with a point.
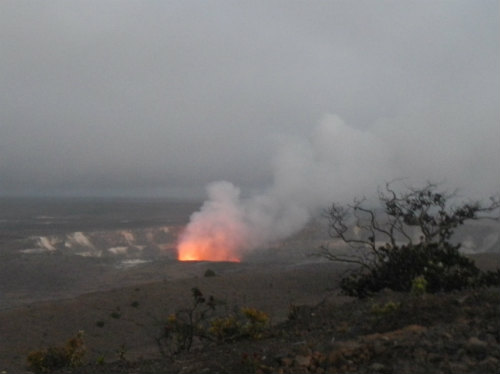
(391, 333)
(63, 275)
(311, 328)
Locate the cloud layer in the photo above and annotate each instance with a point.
(161, 98)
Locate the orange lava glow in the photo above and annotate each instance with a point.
(204, 250)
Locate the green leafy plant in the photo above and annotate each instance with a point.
(203, 322)
(256, 322)
(246, 323)
(53, 358)
(100, 360)
(419, 286)
(386, 309)
(225, 328)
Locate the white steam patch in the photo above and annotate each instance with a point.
(118, 250)
(335, 164)
(46, 243)
(89, 254)
(81, 239)
(33, 250)
(125, 264)
(128, 236)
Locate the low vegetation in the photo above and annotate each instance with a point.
(382, 242)
(405, 249)
(209, 273)
(53, 358)
(204, 322)
(244, 323)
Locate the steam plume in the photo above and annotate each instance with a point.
(335, 163)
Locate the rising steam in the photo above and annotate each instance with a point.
(335, 163)
(218, 232)
(228, 225)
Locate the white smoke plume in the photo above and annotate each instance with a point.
(336, 163)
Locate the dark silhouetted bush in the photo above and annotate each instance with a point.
(397, 263)
(209, 273)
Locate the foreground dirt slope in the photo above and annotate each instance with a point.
(313, 328)
(391, 333)
(130, 318)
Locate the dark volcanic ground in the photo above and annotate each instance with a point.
(68, 265)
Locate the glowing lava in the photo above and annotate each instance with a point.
(204, 251)
(217, 232)
(202, 242)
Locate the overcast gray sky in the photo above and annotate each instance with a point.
(159, 98)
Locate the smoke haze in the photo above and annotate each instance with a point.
(335, 163)
(159, 98)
